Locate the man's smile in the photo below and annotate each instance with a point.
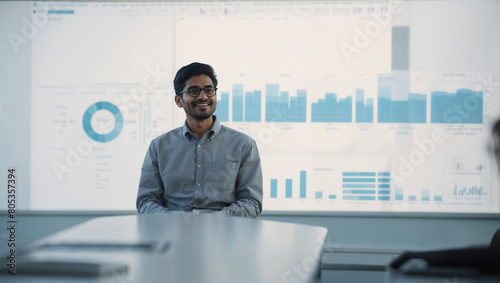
(201, 104)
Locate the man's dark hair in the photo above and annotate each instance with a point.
(496, 128)
(193, 69)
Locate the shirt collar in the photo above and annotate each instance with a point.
(212, 133)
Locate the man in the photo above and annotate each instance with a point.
(201, 166)
(495, 241)
(496, 143)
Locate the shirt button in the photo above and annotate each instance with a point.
(199, 166)
(199, 185)
(199, 145)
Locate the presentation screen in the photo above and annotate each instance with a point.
(372, 106)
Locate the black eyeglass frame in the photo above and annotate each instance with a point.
(199, 91)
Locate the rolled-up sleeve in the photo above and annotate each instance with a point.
(151, 189)
(248, 188)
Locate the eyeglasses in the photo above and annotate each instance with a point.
(195, 91)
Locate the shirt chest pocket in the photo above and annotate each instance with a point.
(224, 175)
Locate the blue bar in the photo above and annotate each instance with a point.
(238, 103)
(442, 110)
(281, 107)
(303, 179)
(384, 198)
(402, 111)
(288, 190)
(413, 109)
(67, 12)
(364, 112)
(426, 195)
(332, 109)
(332, 196)
(272, 103)
(358, 191)
(356, 180)
(474, 190)
(384, 180)
(319, 195)
(249, 103)
(412, 198)
(358, 197)
(361, 174)
(252, 106)
(384, 192)
(358, 186)
(301, 111)
(292, 110)
(284, 98)
(384, 174)
(274, 188)
(438, 198)
(384, 186)
(399, 194)
(222, 110)
(257, 106)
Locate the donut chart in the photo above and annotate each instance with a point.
(87, 121)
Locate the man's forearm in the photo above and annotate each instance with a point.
(246, 207)
(151, 206)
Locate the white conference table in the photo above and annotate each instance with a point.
(176, 247)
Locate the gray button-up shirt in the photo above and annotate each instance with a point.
(219, 172)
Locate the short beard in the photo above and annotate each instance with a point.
(201, 116)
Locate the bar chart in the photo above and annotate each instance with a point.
(324, 183)
(289, 187)
(464, 106)
(332, 109)
(366, 186)
(393, 102)
(246, 105)
(474, 191)
(282, 107)
(364, 108)
(425, 196)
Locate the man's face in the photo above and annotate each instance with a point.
(201, 107)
